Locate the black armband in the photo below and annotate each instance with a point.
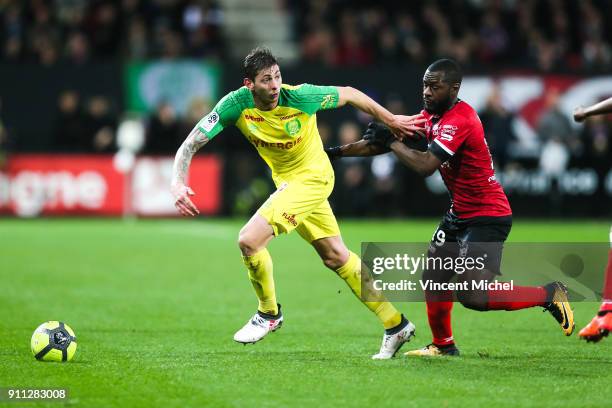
(439, 152)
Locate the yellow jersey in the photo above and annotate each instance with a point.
(286, 137)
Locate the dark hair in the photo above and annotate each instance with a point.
(258, 59)
(450, 69)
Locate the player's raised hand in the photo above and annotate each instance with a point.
(579, 114)
(378, 134)
(183, 203)
(407, 126)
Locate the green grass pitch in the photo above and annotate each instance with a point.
(155, 304)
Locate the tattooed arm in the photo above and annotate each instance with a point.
(225, 113)
(182, 160)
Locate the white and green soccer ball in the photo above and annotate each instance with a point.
(54, 341)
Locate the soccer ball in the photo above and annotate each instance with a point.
(53, 341)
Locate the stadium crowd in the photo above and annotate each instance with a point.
(79, 31)
(551, 35)
(548, 35)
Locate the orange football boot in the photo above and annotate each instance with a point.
(597, 329)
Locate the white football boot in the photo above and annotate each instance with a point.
(391, 343)
(257, 328)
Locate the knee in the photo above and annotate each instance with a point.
(333, 262)
(335, 258)
(473, 299)
(246, 244)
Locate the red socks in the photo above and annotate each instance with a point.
(439, 308)
(521, 297)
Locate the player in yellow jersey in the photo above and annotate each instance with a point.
(279, 120)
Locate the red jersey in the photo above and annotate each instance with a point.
(457, 138)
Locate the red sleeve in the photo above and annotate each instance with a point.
(452, 135)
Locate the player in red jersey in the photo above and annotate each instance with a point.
(479, 219)
(601, 325)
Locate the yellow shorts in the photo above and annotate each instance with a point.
(301, 204)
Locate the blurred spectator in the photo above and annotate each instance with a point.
(554, 126)
(101, 125)
(104, 28)
(352, 193)
(247, 183)
(4, 141)
(165, 132)
(43, 34)
(70, 13)
(597, 55)
(352, 48)
(77, 48)
(493, 38)
(349, 132)
(70, 127)
(137, 46)
(168, 43)
(13, 34)
(325, 132)
(395, 104)
(556, 134)
(597, 138)
(198, 108)
(318, 45)
(497, 124)
(409, 36)
(389, 49)
(202, 21)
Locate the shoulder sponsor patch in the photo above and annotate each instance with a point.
(447, 132)
(327, 101)
(210, 120)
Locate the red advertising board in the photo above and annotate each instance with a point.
(41, 184)
(151, 185)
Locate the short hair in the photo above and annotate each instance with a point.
(259, 58)
(450, 69)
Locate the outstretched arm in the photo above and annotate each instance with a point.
(358, 149)
(581, 113)
(400, 125)
(182, 160)
(424, 163)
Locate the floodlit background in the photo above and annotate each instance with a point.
(72, 72)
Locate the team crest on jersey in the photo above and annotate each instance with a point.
(293, 127)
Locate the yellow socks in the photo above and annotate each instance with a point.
(373, 299)
(260, 274)
(262, 279)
